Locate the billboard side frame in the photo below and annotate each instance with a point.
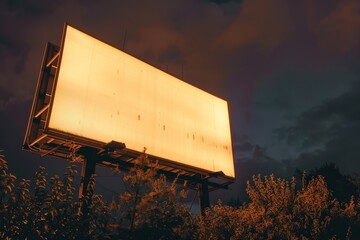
(56, 76)
(44, 72)
(233, 155)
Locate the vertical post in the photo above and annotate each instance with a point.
(87, 171)
(204, 196)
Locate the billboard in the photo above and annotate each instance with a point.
(103, 94)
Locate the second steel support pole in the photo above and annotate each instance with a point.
(204, 196)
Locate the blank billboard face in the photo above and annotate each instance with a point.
(104, 94)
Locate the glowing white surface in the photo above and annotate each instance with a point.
(105, 94)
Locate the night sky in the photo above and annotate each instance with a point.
(290, 71)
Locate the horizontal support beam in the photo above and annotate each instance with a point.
(38, 140)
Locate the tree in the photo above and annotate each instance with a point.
(343, 187)
(277, 210)
(47, 209)
(151, 208)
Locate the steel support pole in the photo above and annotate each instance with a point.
(204, 196)
(85, 191)
(87, 171)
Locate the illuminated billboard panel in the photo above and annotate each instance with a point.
(104, 94)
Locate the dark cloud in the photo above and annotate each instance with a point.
(29, 8)
(328, 132)
(214, 48)
(7, 100)
(276, 103)
(6, 43)
(339, 31)
(270, 37)
(259, 23)
(243, 147)
(319, 123)
(13, 50)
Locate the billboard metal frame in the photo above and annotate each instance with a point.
(44, 141)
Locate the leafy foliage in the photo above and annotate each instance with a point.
(49, 210)
(278, 211)
(152, 208)
(341, 186)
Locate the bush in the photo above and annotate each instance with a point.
(152, 208)
(46, 210)
(278, 211)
